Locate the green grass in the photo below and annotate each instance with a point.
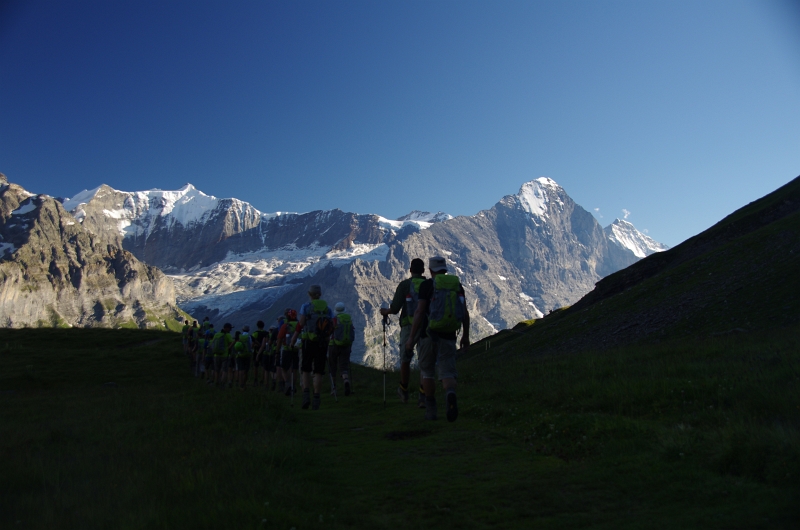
(698, 435)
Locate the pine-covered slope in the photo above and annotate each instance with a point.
(54, 272)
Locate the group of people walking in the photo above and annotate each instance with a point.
(432, 311)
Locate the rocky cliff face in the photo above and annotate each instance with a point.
(532, 252)
(54, 272)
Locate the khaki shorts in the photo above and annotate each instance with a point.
(439, 354)
(405, 332)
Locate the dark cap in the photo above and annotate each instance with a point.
(417, 266)
(437, 264)
(315, 289)
(227, 325)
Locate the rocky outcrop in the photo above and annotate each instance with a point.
(529, 254)
(54, 272)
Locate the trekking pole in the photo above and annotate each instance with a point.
(333, 386)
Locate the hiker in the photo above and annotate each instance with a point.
(259, 341)
(185, 337)
(275, 355)
(405, 302)
(233, 368)
(244, 353)
(220, 346)
(316, 324)
(192, 335)
(340, 347)
(290, 357)
(441, 312)
(208, 353)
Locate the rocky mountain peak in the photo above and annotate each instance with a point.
(538, 196)
(425, 217)
(57, 273)
(624, 235)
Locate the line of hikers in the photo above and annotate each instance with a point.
(432, 311)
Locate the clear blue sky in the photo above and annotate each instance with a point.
(678, 112)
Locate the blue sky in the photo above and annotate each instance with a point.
(676, 112)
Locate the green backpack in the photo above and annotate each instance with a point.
(447, 307)
(318, 326)
(412, 299)
(343, 334)
(218, 344)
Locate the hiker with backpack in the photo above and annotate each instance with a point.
(208, 353)
(260, 354)
(185, 337)
(274, 355)
(404, 302)
(316, 325)
(340, 347)
(221, 346)
(290, 356)
(192, 335)
(441, 312)
(244, 354)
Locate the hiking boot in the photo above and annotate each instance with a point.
(452, 406)
(421, 400)
(430, 409)
(306, 399)
(288, 391)
(316, 402)
(403, 394)
(347, 388)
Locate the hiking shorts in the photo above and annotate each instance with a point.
(273, 362)
(263, 361)
(339, 357)
(243, 362)
(405, 332)
(290, 360)
(437, 355)
(220, 363)
(315, 356)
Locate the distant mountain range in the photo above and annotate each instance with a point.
(55, 272)
(530, 253)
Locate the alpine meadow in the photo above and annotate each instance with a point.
(667, 397)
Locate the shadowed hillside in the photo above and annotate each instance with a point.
(736, 277)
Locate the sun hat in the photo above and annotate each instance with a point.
(437, 264)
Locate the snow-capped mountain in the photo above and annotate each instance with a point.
(57, 273)
(214, 247)
(426, 217)
(625, 235)
(532, 252)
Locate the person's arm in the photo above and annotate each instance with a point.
(397, 302)
(300, 323)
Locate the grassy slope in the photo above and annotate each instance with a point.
(696, 426)
(612, 441)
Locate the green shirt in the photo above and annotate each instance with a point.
(220, 343)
